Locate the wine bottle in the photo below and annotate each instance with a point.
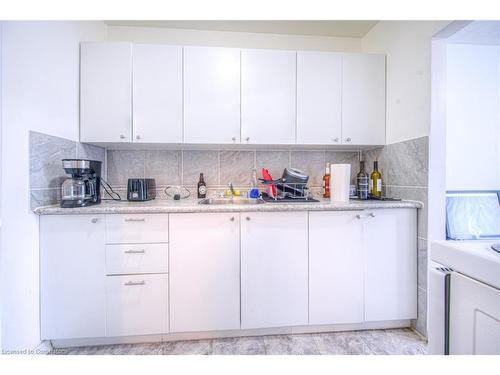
(376, 181)
(202, 187)
(362, 181)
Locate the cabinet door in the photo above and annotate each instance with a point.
(106, 92)
(390, 243)
(474, 317)
(136, 305)
(319, 98)
(204, 272)
(72, 276)
(268, 96)
(157, 93)
(335, 267)
(211, 95)
(363, 99)
(273, 269)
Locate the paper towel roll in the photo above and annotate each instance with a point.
(340, 181)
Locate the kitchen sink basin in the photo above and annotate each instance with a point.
(219, 201)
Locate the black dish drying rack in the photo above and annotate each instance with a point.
(287, 191)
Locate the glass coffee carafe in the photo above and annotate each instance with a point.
(73, 189)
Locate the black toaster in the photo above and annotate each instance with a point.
(141, 189)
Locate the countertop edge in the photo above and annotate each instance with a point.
(197, 208)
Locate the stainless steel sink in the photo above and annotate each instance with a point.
(219, 201)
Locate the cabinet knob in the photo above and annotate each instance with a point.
(234, 139)
(137, 137)
(348, 139)
(232, 219)
(247, 139)
(94, 220)
(358, 217)
(336, 140)
(122, 136)
(371, 214)
(248, 218)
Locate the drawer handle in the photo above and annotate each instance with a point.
(135, 251)
(134, 220)
(132, 283)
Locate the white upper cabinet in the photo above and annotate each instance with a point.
(157, 93)
(106, 92)
(211, 95)
(319, 98)
(268, 96)
(390, 264)
(363, 99)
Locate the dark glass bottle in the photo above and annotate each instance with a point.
(362, 181)
(202, 187)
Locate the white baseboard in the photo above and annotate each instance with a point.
(66, 343)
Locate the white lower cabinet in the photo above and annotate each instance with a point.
(72, 276)
(362, 266)
(390, 246)
(124, 275)
(204, 272)
(136, 304)
(273, 269)
(336, 267)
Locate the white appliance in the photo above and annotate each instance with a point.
(472, 293)
(439, 309)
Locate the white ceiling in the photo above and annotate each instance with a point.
(353, 29)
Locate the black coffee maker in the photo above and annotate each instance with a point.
(84, 186)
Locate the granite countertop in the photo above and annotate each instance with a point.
(191, 205)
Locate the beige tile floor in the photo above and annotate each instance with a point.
(391, 341)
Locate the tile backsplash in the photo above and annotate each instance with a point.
(405, 172)
(219, 167)
(46, 172)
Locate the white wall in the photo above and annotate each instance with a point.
(232, 39)
(40, 91)
(1, 27)
(408, 48)
(473, 117)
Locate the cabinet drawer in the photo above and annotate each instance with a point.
(136, 305)
(136, 258)
(136, 228)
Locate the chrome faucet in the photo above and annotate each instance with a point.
(231, 189)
